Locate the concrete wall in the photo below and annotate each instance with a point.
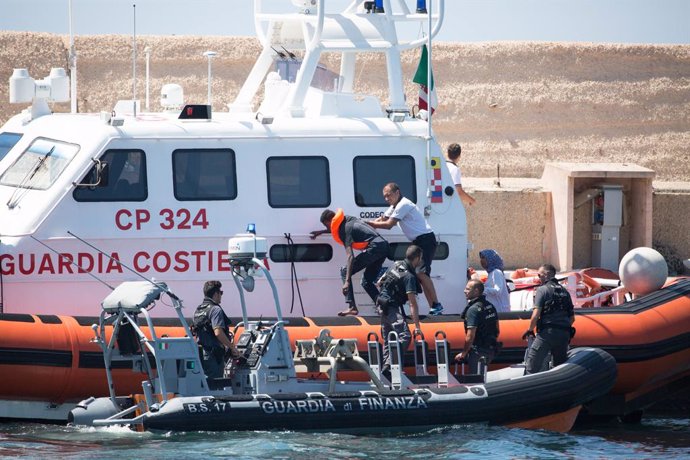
(672, 224)
(513, 222)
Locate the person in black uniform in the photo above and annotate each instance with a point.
(481, 328)
(212, 329)
(399, 285)
(354, 233)
(553, 317)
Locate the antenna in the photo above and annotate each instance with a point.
(163, 287)
(70, 260)
(210, 55)
(147, 50)
(134, 62)
(280, 54)
(289, 53)
(72, 64)
(429, 91)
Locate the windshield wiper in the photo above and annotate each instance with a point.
(22, 188)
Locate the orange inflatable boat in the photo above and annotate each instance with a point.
(48, 362)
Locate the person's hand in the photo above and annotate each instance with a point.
(345, 288)
(313, 234)
(231, 353)
(417, 331)
(460, 358)
(528, 333)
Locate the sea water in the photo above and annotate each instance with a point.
(657, 438)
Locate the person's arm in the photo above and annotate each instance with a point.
(539, 301)
(381, 218)
(222, 337)
(469, 340)
(464, 196)
(414, 310)
(532, 323)
(570, 310)
(313, 234)
(385, 223)
(491, 286)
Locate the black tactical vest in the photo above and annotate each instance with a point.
(487, 329)
(202, 320)
(558, 307)
(392, 283)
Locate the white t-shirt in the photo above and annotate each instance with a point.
(410, 220)
(496, 290)
(454, 173)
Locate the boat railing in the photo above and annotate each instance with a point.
(127, 341)
(607, 293)
(328, 355)
(351, 31)
(613, 297)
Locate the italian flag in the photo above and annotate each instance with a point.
(420, 77)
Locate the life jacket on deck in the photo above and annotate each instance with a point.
(337, 221)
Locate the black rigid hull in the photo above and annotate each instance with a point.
(588, 374)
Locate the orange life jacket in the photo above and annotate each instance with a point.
(337, 221)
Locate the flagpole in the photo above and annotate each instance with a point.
(430, 85)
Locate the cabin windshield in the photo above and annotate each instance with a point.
(323, 79)
(7, 141)
(40, 165)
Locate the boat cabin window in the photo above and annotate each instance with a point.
(298, 182)
(7, 141)
(301, 252)
(126, 179)
(397, 251)
(372, 173)
(39, 166)
(204, 174)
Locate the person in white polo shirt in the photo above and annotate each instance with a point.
(454, 152)
(405, 213)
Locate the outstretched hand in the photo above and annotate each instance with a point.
(528, 333)
(314, 233)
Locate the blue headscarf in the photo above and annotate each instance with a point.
(493, 260)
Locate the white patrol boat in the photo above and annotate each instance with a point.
(160, 192)
(261, 390)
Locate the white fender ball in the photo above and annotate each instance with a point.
(643, 270)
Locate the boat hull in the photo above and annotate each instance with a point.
(588, 374)
(52, 359)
